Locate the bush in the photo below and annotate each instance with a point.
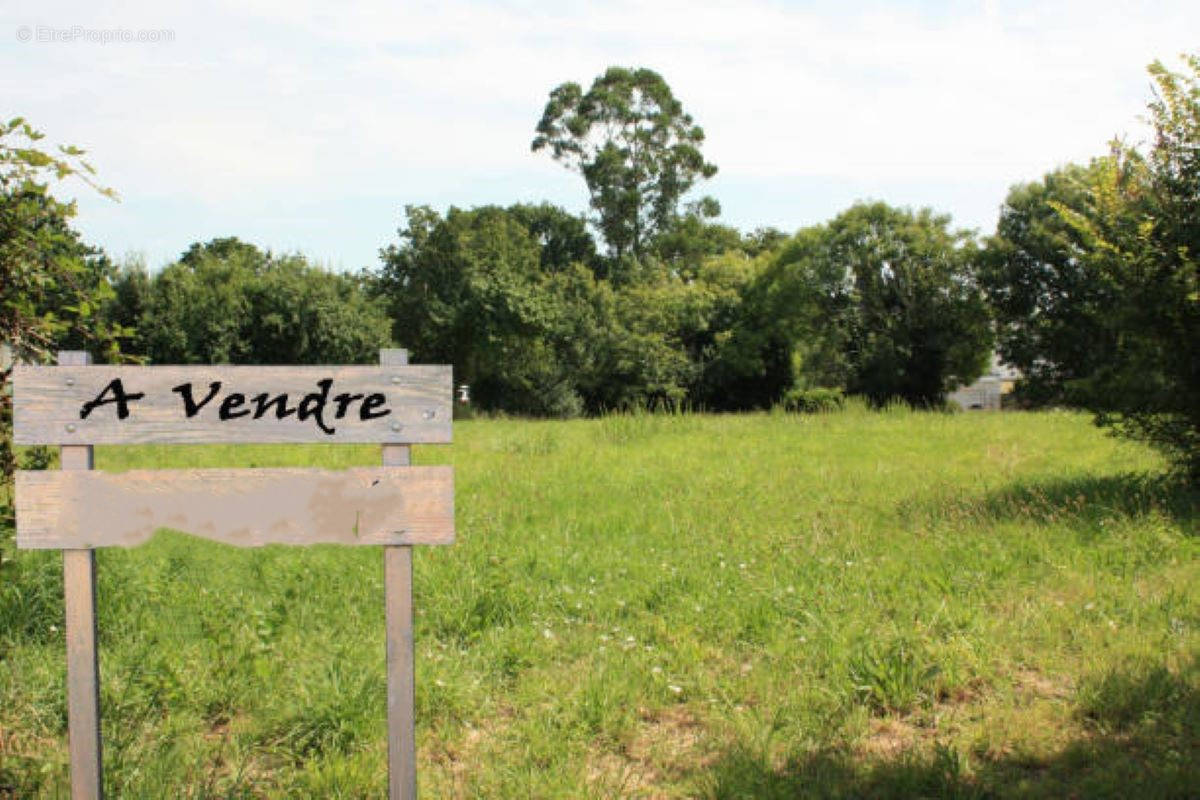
(229, 302)
(813, 401)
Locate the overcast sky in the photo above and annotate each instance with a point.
(308, 127)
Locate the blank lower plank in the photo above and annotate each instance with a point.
(245, 508)
(369, 404)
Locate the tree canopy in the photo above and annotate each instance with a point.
(1051, 314)
(226, 301)
(881, 301)
(52, 285)
(1088, 284)
(1092, 276)
(637, 149)
(480, 290)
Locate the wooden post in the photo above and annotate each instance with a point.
(398, 604)
(83, 667)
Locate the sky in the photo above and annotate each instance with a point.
(307, 127)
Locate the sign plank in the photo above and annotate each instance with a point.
(196, 404)
(245, 508)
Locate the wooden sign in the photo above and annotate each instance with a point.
(244, 508)
(396, 505)
(189, 405)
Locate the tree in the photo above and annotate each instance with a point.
(469, 289)
(562, 238)
(51, 283)
(690, 239)
(1052, 315)
(486, 290)
(881, 301)
(1111, 301)
(783, 323)
(916, 325)
(226, 301)
(637, 150)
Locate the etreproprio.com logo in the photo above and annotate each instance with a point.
(53, 34)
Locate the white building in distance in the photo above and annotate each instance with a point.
(985, 393)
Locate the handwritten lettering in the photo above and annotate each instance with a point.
(372, 402)
(313, 405)
(190, 406)
(119, 396)
(230, 404)
(321, 406)
(279, 401)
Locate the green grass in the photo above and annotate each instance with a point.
(847, 604)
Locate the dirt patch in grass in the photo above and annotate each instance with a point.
(889, 739)
(1032, 685)
(458, 757)
(16, 745)
(666, 744)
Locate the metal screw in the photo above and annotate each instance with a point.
(70, 427)
(396, 426)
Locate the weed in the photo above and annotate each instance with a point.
(893, 678)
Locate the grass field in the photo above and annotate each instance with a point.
(853, 604)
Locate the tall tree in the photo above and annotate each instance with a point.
(637, 150)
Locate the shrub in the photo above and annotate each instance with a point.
(813, 401)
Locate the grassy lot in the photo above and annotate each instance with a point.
(853, 604)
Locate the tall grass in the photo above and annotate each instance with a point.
(773, 605)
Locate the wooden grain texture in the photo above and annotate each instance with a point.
(83, 674)
(48, 404)
(245, 508)
(398, 620)
(401, 669)
(83, 662)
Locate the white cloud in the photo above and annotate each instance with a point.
(258, 108)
